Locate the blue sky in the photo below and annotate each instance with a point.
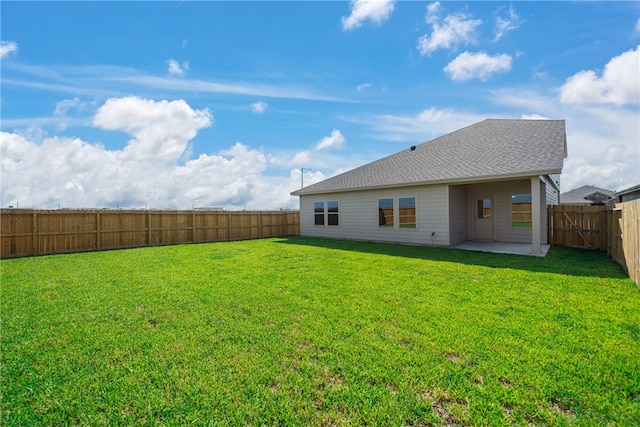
(194, 104)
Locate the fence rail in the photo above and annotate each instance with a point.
(44, 232)
(613, 230)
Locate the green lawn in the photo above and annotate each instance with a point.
(521, 224)
(317, 332)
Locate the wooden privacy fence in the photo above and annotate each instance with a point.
(42, 232)
(521, 212)
(580, 226)
(615, 230)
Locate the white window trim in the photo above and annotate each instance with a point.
(326, 213)
(332, 213)
(396, 213)
(408, 229)
(393, 227)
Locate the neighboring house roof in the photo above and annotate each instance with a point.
(493, 148)
(628, 191)
(586, 195)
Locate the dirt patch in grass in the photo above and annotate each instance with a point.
(393, 389)
(440, 401)
(567, 412)
(454, 357)
(505, 382)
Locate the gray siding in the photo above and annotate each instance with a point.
(553, 193)
(458, 214)
(444, 213)
(544, 216)
(358, 216)
(556, 180)
(550, 193)
(630, 196)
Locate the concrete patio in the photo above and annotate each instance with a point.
(500, 247)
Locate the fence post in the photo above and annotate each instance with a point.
(193, 226)
(35, 233)
(148, 228)
(550, 225)
(98, 231)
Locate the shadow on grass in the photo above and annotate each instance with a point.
(559, 260)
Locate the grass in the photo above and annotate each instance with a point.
(318, 332)
(521, 224)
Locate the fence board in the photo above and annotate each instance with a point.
(579, 226)
(41, 232)
(628, 247)
(613, 230)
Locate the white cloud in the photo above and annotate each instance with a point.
(608, 172)
(319, 156)
(433, 10)
(454, 30)
(526, 99)
(259, 107)
(534, 117)
(637, 28)
(362, 10)
(7, 48)
(301, 158)
(477, 66)
(335, 140)
(363, 86)
(63, 107)
(619, 83)
(433, 115)
(110, 81)
(420, 127)
(177, 69)
(504, 24)
(311, 176)
(161, 130)
(13, 149)
(47, 172)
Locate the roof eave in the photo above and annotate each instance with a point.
(626, 191)
(462, 180)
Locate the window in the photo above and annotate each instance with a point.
(318, 212)
(521, 210)
(332, 216)
(385, 213)
(331, 213)
(407, 214)
(484, 209)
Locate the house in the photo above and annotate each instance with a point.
(586, 195)
(489, 181)
(626, 195)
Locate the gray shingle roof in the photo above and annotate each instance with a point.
(493, 148)
(627, 190)
(582, 195)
